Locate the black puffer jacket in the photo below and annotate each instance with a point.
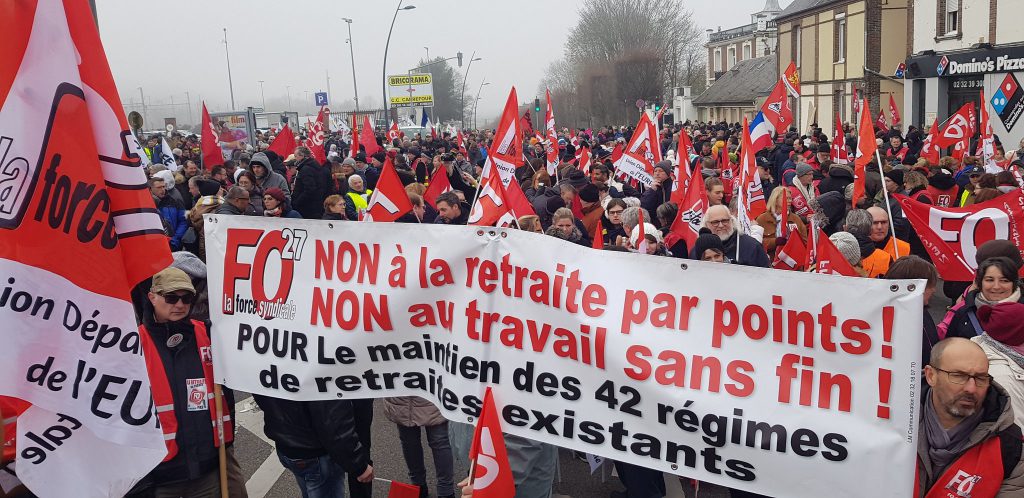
(309, 429)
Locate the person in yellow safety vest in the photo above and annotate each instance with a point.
(180, 367)
(358, 197)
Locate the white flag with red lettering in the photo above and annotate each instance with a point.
(641, 154)
(78, 229)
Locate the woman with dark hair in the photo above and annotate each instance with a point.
(995, 282)
(275, 204)
(915, 267)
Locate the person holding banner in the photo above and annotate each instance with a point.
(180, 367)
(742, 248)
(969, 445)
(996, 282)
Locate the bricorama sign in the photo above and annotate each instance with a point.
(411, 89)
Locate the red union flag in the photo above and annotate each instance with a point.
(492, 474)
(368, 139)
(930, 150)
(395, 134)
(839, 154)
(212, 155)
(894, 110)
(284, 143)
(687, 224)
(952, 235)
(491, 205)
(389, 200)
(959, 127)
(78, 229)
(506, 153)
(829, 260)
(552, 138)
(638, 159)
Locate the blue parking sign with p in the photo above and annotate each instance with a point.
(321, 98)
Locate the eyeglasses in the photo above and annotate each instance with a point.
(187, 298)
(960, 378)
(719, 223)
(616, 212)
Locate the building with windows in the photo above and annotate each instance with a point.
(958, 50)
(739, 92)
(838, 45)
(731, 46)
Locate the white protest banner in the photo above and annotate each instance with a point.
(782, 383)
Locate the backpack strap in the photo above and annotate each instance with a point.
(973, 317)
(1011, 446)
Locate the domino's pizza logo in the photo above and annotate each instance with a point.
(1008, 101)
(943, 64)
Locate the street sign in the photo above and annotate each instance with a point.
(416, 89)
(321, 98)
(640, 103)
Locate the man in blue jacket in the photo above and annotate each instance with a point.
(171, 211)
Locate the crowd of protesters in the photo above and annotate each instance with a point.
(974, 358)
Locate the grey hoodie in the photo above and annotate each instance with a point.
(270, 178)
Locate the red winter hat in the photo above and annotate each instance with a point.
(1004, 322)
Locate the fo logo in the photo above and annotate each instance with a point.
(962, 484)
(263, 259)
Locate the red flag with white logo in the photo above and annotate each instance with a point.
(792, 255)
(839, 154)
(584, 161)
(681, 182)
(952, 235)
(212, 155)
(551, 137)
(894, 110)
(639, 157)
(829, 260)
(506, 152)
(959, 127)
(491, 205)
(394, 133)
(880, 122)
(517, 201)
(492, 473)
(692, 207)
(389, 200)
(78, 227)
(462, 145)
(866, 147)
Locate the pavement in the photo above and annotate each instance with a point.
(266, 478)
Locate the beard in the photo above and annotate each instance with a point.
(954, 409)
(726, 234)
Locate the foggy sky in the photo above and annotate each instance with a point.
(170, 48)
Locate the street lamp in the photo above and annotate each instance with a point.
(384, 70)
(142, 98)
(231, 86)
(263, 98)
(477, 104)
(428, 53)
(288, 88)
(462, 106)
(352, 55)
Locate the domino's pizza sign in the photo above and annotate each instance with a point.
(943, 63)
(1008, 101)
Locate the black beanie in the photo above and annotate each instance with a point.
(554, 203)
(589, 193)
(706, 240)
(208, 187)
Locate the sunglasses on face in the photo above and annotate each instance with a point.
(186, 298)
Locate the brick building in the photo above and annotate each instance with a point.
(838, 44)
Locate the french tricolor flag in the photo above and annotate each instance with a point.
(761, 131)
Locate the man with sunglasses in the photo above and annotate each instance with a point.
(180, 366)
(968, 444)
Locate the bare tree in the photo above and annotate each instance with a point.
(621, 51)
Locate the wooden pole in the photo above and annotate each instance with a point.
(218, 397)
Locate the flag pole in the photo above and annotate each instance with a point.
(888, 208)
(218, 398)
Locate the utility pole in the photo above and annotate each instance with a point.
(227, 56)
(352, 55)
(328, 74)
(263, 97)
(142, 98)
(188, 101)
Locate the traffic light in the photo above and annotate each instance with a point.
(657, 107)
(459, 56)
(536, 105)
